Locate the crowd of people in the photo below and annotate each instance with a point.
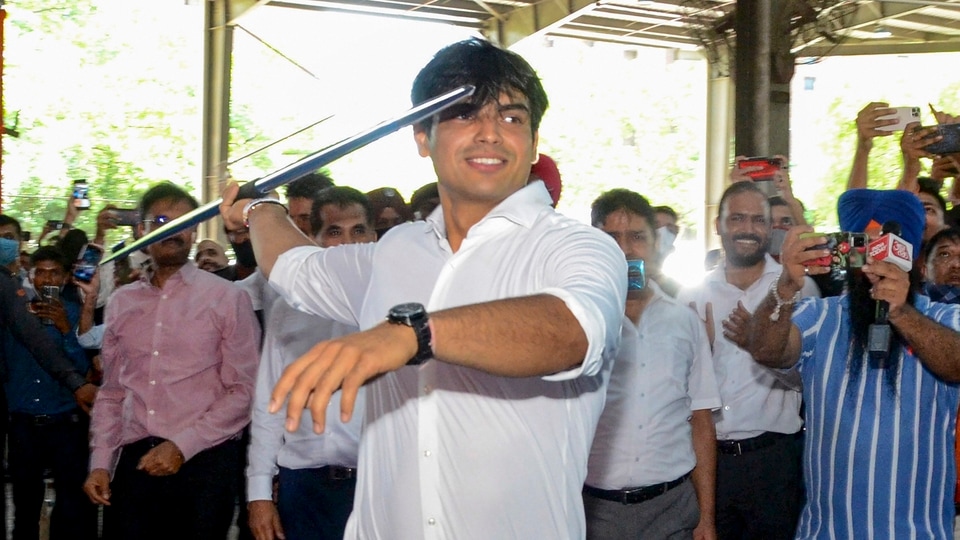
(475, 364)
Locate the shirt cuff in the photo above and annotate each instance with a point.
(259, 488)
(103, 459)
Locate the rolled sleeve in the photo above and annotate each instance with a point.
(593, 285)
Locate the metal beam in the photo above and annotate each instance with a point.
(534, 20)
(874, 47)
(217, 51)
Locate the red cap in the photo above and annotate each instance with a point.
(546, 169)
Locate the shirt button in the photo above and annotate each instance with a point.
(726, 407)
(156, 353)
(36, 400)
(164, 297)
(431, 521)
(159, 324)
(150, 412)
(427, 453)
(153, 383)
(36, 381)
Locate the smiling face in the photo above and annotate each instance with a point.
(210, 256)
(744, 228)
(481, 154)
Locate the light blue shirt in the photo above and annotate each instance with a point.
(878, 461)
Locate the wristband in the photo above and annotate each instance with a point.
(254, 203)
(775, 316)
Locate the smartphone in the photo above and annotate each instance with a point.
(87, 262)
(770, 167)
(54, 225)
(125, 216)
(81, 201)
(903, 116)
(636, 275)
(950, 144)
(48, 295)
(847, 250)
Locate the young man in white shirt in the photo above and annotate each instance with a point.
(487, 434)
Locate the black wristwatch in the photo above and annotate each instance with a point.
(415, 316)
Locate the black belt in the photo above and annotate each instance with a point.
(765, 439)
(40, 420)
(634, 495)
(337, 473)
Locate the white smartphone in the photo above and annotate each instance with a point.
(903, 115)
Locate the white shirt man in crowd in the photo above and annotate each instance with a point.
(317, 473)
(487, 435)
(657, 423)
(759, 490)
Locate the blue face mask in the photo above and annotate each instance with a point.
(9, 251)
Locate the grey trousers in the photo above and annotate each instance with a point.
(673, 515)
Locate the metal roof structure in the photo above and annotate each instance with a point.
(816, 27)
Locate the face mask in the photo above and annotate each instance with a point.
(667, 239)
(9, 251)
(244, 253)
(777, 235)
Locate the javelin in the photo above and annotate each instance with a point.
(260, 187)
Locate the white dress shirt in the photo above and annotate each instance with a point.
(453, 452)
(663, 372)
(289, 334)
(755, 398)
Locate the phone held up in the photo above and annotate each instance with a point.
(87, 262)
(48, 295)
(81, 200)
(903, 116)
(949, 144)
(769, 166)
(125, 216)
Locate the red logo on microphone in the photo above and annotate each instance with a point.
(900, 250)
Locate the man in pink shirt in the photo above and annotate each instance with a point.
(179, 358)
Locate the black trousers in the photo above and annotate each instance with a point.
(197, 503)
(760, 493)
(60, 443)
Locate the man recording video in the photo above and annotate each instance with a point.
(879, 442)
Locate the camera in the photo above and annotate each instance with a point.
(48, 295)
(55, 225)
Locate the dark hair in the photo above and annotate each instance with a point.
(307, 187)
(342, 196)
(7, 220)
(165, 191)
(423, 194)
(950, 233)
(50, 253)
(932, 187)
(491, 70)
(621, 199)
(737, 188)
(666, 210)
(71, 243)
(777, 200)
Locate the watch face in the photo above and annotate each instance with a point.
(407, 311)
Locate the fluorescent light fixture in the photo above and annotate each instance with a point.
(882, 32)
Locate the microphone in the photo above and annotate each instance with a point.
(890, 247)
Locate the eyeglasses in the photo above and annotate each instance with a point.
(154, 223)
(239, 235)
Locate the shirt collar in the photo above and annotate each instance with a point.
(521, 207)
(187, 273)
(770, 266)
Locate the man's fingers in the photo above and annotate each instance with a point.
(289, 377)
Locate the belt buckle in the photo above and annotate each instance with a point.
(41, 420)
(339, 473)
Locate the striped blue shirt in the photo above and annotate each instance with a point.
(878, 463)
